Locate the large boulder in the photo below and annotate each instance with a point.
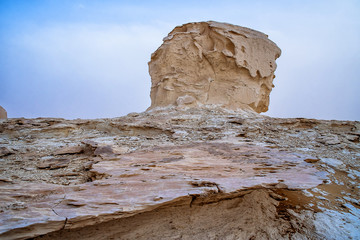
(212, 63)
(3, 113)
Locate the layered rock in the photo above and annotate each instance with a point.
(192, 174)
(3, 113)
(211, 63)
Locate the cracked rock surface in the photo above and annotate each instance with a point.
(181, 174)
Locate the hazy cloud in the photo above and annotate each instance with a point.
(88, 59)
(81, 70)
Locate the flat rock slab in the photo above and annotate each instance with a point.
(141, 181)
(69, 150)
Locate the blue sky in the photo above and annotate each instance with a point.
(88, 59)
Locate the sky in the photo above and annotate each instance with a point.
(88, 59)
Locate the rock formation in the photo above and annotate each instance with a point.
(3, 113)
(185, 173)
(211, 63)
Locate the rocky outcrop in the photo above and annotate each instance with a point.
(194, 174)
(185, 173)
(211, 63)
(3, 113)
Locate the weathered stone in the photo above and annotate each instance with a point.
(69, 150)
(4, 151)
(54, 163)
(195, 170)
(328, 139)
(352, 137)
(181, 167)
(211, 63)
(311, 160)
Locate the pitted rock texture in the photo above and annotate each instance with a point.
(211, 63)
(3, 113)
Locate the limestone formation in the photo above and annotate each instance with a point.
(185, 172)
(3, 113)
(211, 63)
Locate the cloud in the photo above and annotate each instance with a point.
(79, 5)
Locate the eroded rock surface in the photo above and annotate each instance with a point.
(180, 174)
(3, 113)
(211, 63)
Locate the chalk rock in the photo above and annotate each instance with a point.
(53, 163)
(3, 113)
(189, 174)
(211, 63)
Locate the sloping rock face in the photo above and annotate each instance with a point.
(3, 113)
(211, 63)
(183, 174)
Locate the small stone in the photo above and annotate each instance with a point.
(69, 150)
(277, 196)
(352, 138)
(310, 160)
(157, 198)
(4, 151)
(329, 140)
(53, 163)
